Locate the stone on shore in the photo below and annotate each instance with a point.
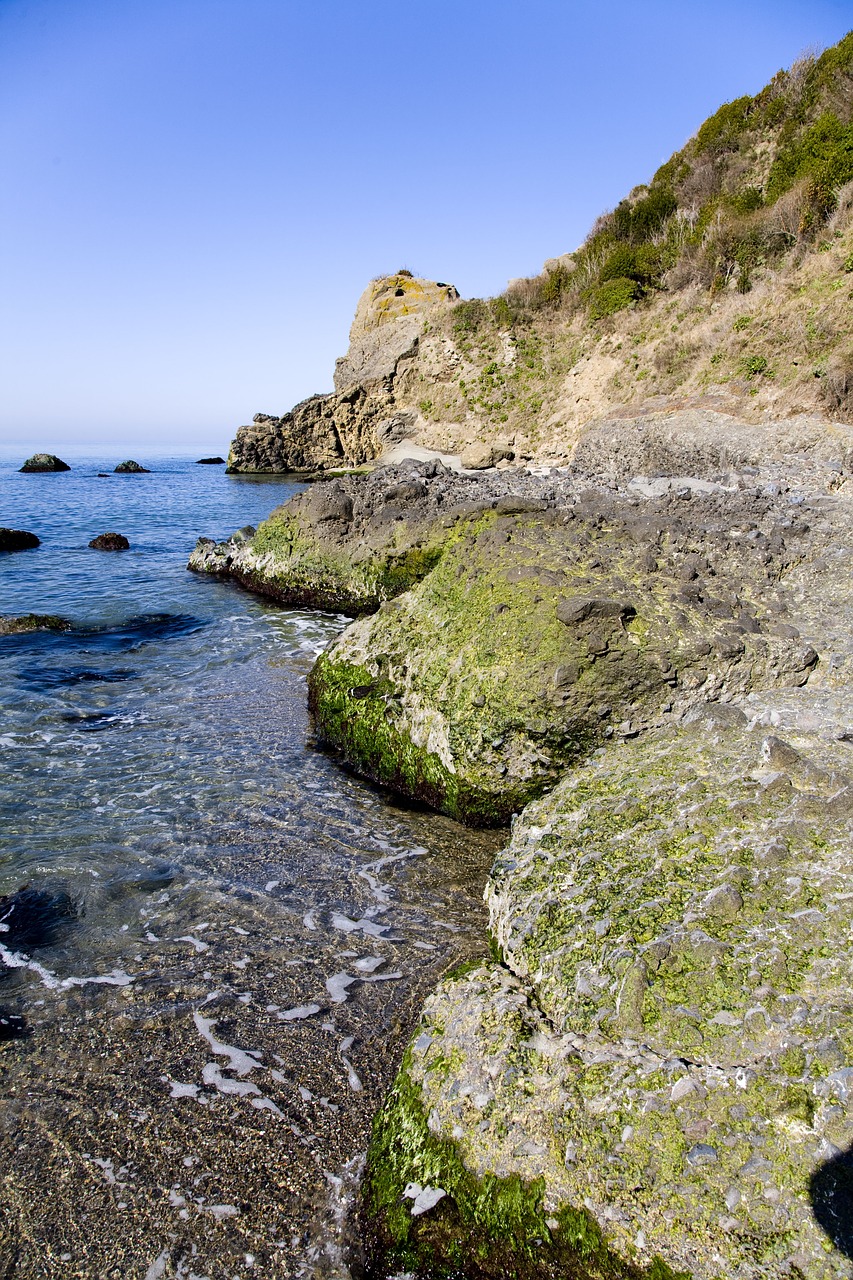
(45, 462)
(110, 542)
(18, 540)
(130, 468)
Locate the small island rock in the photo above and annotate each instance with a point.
(110, 542)
(45, 462)
(17, 540)
(210, 462)
(131, 468)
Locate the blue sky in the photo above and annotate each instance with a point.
(195, 192)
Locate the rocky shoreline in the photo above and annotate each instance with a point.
(651, 674)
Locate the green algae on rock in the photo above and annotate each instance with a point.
(13, 626)
(539, 635)
(664, 1048)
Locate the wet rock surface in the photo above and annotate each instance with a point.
(210, 462)
(18, 540)
(45, 462)
(110, 542)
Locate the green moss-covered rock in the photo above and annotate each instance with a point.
(664, 1053)
(534, 639)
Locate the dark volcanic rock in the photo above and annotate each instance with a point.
(45, 462)
(210, 462)
(17, 540)
(130, 468)
(110, 542)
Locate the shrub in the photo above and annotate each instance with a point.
(753, 366)
(721, 132)
(468, 316)
(612, 296)
(823, 153)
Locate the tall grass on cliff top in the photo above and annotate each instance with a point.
(760, 178)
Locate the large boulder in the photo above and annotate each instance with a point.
(130, 468)
(660, 1066)
(13, 626)
(45, 462)
(18, 540)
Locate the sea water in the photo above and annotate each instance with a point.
(244, 931)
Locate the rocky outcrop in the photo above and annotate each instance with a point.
(663, 1056)
(362, 418)
(45, 462)
(650, 1079)
(210, 462)
(130, 468)
(110, 542)
(18, 540)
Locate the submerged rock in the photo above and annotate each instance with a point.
(33, 917)
(18, 540)
(45, 462)
(12, 626)
(130, 468)
(110, 542)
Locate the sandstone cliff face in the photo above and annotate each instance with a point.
(369, 410)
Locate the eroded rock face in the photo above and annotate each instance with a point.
(362, 417)
(45, 462)
(668, 1041)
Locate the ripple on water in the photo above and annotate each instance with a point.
(250, 931)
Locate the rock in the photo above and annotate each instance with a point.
(363, 416)
(17, 540)
(12, 626)
(130, 468)
(479, 457)
(110, 542)
(210, 462)
(31, 917)
(45, 462)
(721, 1092)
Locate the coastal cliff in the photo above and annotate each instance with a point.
(641, 659)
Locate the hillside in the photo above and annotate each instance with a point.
(725, 283)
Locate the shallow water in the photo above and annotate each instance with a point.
(253, 928)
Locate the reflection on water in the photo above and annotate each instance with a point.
(249, 931)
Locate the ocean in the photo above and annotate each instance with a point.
(226, 936)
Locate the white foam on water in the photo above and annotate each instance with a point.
(364, 925)
(301, 1011)
(352, 1079)
(382, 977)
(367, 964)
(17, 960)
(213, 1076)
(238, 1059)
(179, 1090)
(337, 986)
(267, 1104)
(309, 921)
(221, 1211)
(158, 1266)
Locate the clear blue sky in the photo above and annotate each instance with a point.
(195, 192)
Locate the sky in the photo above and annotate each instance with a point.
(195, 192)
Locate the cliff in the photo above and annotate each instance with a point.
(724, 284)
